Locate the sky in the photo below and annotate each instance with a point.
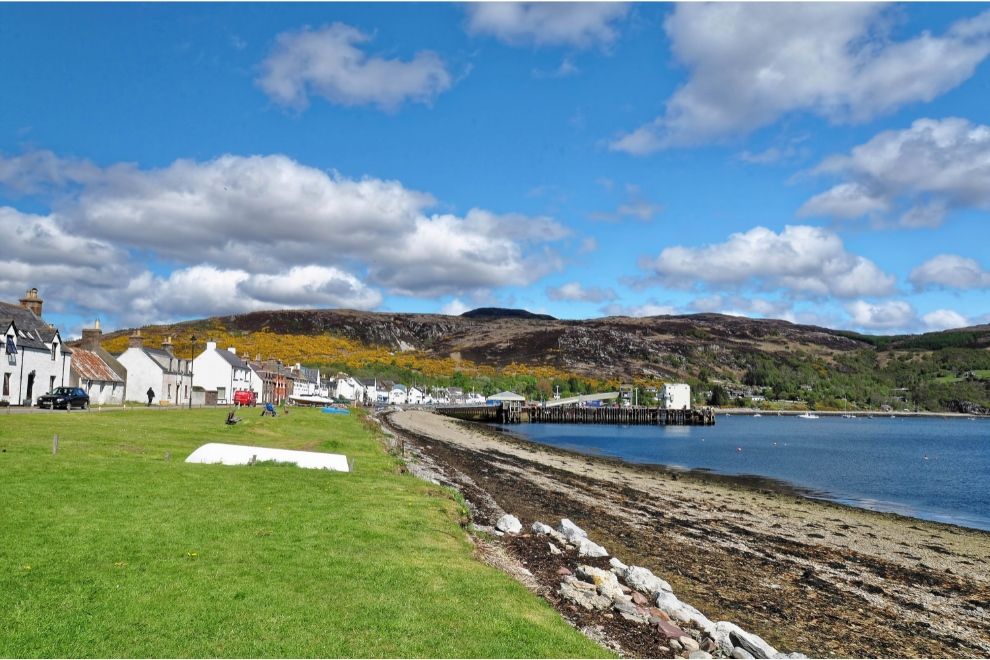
(819, 163)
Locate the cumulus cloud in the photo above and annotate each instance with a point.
(580, 24)
(41, 171)
(639, 311)
(577, 292)
(329, 63)
(919, 174)
(285, 234)
(944, 319)
(751, 63)
(801, 260)
(454, 308)
(889, 315)
(950, 271)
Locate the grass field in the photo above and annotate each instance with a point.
(110, 549)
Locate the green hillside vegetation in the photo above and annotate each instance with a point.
(113, 548)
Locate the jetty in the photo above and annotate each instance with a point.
(511, 412)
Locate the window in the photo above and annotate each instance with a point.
(11, 348)
(170, 390)
(54, 349)
(6, 384)
(221, 394)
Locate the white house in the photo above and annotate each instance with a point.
(398, 395)
(675, 396)
(222, 372)
(414, 396)
(34, 361)
(160, 370)
(348, 387)
(371, 393)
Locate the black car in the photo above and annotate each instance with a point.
(64, 397)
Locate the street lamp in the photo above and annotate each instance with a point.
(192, 352)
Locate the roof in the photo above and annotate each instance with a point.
(232, 359)
(506, 396)
(32, 331)
(91, 366)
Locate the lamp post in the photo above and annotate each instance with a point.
(192, 352)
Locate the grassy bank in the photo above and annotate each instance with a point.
(111, 549)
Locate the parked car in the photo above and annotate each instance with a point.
(64, 397)
(246, 397)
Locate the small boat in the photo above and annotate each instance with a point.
(808, 416)
(757, 415)
(849, 416)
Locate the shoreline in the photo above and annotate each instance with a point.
(874, 414)
(792, 569)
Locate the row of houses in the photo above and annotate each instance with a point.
(386, 392)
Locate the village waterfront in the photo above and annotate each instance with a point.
(933, 468)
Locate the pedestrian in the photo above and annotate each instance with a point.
(151, 395)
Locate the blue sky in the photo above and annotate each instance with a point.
(826, 164)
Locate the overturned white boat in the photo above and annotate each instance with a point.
(217, 452)
(310, 400)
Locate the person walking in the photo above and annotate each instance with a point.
(151, 395)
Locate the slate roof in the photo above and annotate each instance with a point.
(232, 359)
(91, 366)
(32, 332)
(162, 358)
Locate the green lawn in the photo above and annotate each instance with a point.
(109, 550)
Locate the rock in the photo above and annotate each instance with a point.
(670, 604)
(588, 548)
(643, 579)
(540, 528)
(583, 594)
(639, 598)
(554, 550)
(660, 614)
(509, 524)
(699, 655)
(606, 582)
(740, 653)
(571, 531)
(628, 611)
(728, 636)
(675, 646)
(616, 564)
(709, 645)
(689, 643)
(563, 570)
(669, 630)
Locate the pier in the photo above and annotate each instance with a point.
(515, 413)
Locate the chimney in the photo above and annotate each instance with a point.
(91, 336)
(135, 341)
(167, 344)
(211, 346)
(232, 350)
(32, 302)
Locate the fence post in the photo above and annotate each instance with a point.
(55, 444)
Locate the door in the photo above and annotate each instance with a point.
(30, 387)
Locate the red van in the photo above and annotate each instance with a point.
(246, 398)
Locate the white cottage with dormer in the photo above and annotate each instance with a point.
(34, 362)
(223, 372)
(160, 370)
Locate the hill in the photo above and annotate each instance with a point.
(762, 357)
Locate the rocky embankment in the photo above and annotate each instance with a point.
(792, 573)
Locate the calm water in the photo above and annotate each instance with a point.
(927, 468)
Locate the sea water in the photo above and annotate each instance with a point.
(931, 468)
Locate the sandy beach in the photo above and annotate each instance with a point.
(819, 578)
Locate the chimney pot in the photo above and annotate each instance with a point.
(32, 302)
(232, 350)
(135, 340)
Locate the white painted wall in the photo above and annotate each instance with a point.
(27, 360)
(144, 372)
(212, 372)
(675, 396)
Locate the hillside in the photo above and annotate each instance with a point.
(789, 361)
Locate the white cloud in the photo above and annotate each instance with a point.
(889, 315)
(566, 69)
(639, 311)
(307, 238)
(40, 171)
(944, 319)
(801, 260)
(575, 291)
(922, 172)
(454, 308)
(580, 24)
(329, 62)
(635, 205)
(950, 271)
(751, 63)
